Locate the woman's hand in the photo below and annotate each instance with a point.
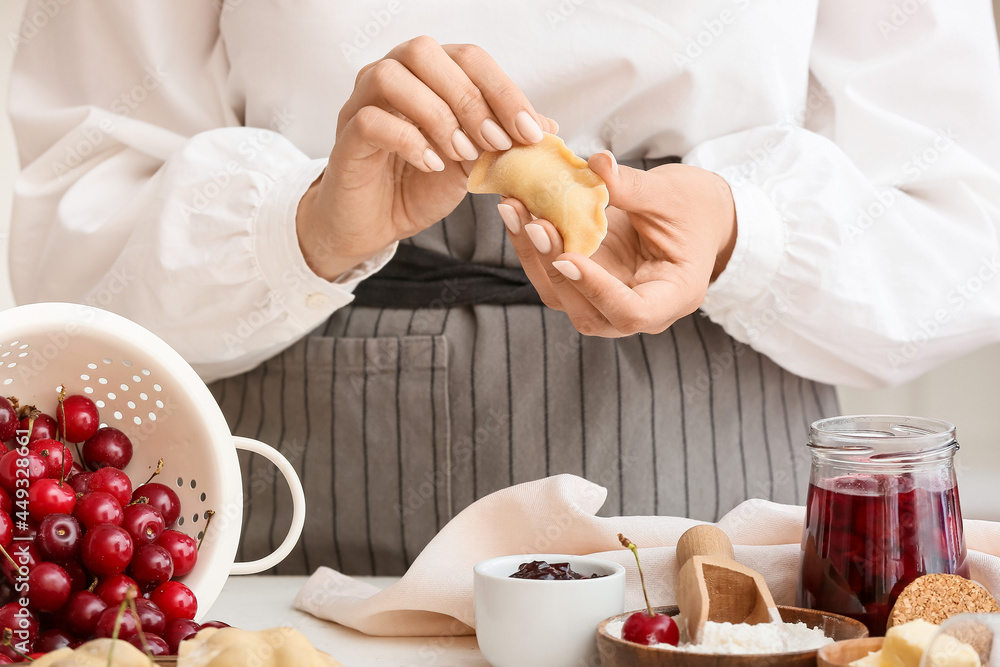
(671, 231)
(404, 144)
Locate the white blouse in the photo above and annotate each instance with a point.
(165, 145)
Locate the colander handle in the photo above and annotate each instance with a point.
(298, 506)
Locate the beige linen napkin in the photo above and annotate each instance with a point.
(556, 515)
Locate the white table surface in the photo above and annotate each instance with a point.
(258, 602)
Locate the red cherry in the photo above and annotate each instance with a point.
(114, 589)
(642, 628)
(52, 640)
(9, 422)
(45, 427)
(113, 481)
(96, 508)
(4, 660)
(183, 550)
(106, 624)
(143, 522)
(176, 600)
(157, 644)
(26, 530)
(6, 529)
(81, 612)
(49, 587)
(107, 550)
(151, 617)
(178, 630)
(81, 418)
(107, 447)
(12, 462)
(77, 575)
(25, 555)
(50, 496)
(54, 454)
(151, 566)
(215, 624)
(81, 482)
(59, 537)
(5, 504)
(163, 498)
(22, 622)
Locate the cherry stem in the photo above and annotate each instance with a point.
(159, 469)
(61, 411)
(138, 623)
(8, 641)
(118, 626)
(17, 568)
(204, 533)
(642, 580)
(15, 403)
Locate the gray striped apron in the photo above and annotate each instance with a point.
(398, 418)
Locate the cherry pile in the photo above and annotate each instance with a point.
(77, 539)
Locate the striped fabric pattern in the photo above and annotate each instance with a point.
(398, 419)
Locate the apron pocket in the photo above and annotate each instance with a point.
(387, 466)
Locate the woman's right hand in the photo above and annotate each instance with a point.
(405, 142)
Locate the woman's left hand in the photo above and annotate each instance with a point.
(671, 231)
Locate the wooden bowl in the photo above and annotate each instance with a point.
(844, 653)
(620, 653)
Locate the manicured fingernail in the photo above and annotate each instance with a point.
(510, 219)
(539, 238)
(432, 160)
(494, 134)
(463, 146)
(568, 269)
(527, 126)
(614, 163)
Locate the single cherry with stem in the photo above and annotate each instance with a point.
(647, 627)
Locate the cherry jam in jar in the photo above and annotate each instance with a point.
(882, 510)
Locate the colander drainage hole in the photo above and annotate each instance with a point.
(180, 481)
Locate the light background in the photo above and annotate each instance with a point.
(965, 392)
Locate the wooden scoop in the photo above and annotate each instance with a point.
(712, 586)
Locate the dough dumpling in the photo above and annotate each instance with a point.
(233, 647)
(553, 184)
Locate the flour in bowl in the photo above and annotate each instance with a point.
(730, 639)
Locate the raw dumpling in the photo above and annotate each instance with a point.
(95, 654)
(233, 647)
(553, 184)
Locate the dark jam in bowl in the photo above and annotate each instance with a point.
(541, 570)
(868, 536)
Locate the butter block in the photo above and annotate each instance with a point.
(873, 659)
(905, 644)
(946, 651)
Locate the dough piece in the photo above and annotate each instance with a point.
(553, 184)
(95, 654)
(233, 647)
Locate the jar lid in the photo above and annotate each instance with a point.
(883, 438)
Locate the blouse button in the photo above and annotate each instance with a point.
(317, 301)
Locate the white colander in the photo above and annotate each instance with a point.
(143, 387)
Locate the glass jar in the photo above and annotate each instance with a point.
(882, 510)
